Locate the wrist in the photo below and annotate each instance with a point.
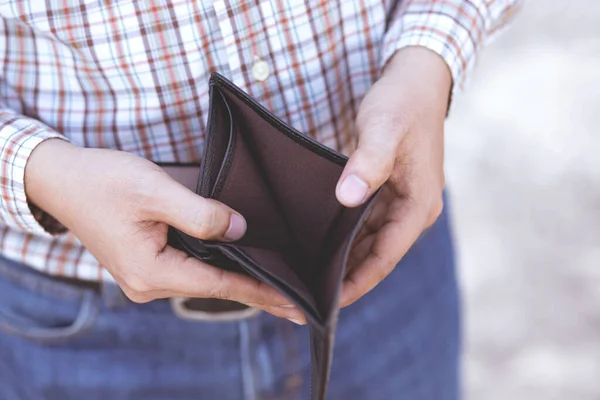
(423, 72)
(47, 173)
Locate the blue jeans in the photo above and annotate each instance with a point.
(61, 342)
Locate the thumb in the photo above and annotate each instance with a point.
(196, 216)
(370, 166)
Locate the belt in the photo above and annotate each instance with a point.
(186, 308)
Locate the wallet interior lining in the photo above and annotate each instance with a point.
(270, 179)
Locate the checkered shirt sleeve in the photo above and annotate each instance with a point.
(454, 29)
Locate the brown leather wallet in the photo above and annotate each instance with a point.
(283, 182)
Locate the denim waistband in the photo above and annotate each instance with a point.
(108, 292)
(65, 289)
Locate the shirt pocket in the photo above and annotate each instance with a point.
(38, 308)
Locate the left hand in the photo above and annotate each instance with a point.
(400, 127)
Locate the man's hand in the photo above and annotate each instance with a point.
(120, 205)
(401, 146)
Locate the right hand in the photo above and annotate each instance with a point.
(120, 206)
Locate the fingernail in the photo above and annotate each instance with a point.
(237, 227)
(287, 306)
(353, 190)
(296, 321)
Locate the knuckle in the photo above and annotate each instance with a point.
(131, 277)
(384, 154)
(204, 221)
(389, 119)
(436, 211)
(224, 294)
(139, 191)
(136, 297)
(376, 161)
(438, 207)
(383, 273)
(219, 290)
(137, 285)
(395, 121)
(142, 185)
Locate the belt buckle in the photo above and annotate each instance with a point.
(178, 305)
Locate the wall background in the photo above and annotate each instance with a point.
(523, 169)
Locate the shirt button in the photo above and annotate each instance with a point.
(260, 70)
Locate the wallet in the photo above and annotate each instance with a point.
(298, 235)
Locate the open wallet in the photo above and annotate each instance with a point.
(298, 235)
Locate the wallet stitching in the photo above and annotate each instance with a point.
(291, 133)
(229, 155)
(206, 166)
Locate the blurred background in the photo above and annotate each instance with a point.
(523, 168)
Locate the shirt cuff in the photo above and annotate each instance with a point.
(454, 36)
(19, 136)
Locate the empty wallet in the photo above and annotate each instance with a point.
(283, 182)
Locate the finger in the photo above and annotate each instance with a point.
(371, 164)
(378, 216)
(198, 217)
(135, 296)
(288, 312)
(380, 210)
(392, 242)
(292, 314)
(185, 275)
(275, 303)
(360, 250)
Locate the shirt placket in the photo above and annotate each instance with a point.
(242, 31)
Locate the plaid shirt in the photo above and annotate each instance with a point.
(132, 75)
